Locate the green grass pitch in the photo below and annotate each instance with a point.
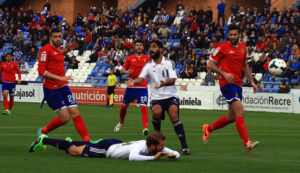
(278, 133)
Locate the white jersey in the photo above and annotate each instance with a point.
(160, 72)
(134, 150)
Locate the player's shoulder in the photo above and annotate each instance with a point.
(148, 64)
(241, 45)
(46, 48)
(169, 61)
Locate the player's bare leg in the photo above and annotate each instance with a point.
(220, 123)
(156, 117)
(179, 129)
(79, 123)
(123, 112)
(11, 101)
(63, 117)
(145, 119)
(76, 150)
(238, 110)
(5, 103)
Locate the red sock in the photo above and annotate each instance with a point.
(81, 128)
(123, 111)
(145, 116)
(55, 123)
(11, 103)
(5, 103)
(242, 129)
(221, 122)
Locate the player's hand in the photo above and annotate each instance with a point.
(72, 46)
(18, 82)
(66, 78)
(159, 155)
(162, 83)
(229, 77)
(171, 156)
(255, 89)
(129, 72)
(129, 82)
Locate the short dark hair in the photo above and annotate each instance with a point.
(158, 42)
(54, 30)
(139, 41)
(8, 54)
(234, 27)
(153, 138)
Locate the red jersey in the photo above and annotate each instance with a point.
(8, 71)
(51, 60)
(230, 59)
(136, 64)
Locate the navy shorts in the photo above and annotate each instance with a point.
(139, 94)
(10, 87)
(165, 104)
(58, 99)
(232, 92)
(99, 149)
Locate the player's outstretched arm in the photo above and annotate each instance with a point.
(171, 153)
(249, 76)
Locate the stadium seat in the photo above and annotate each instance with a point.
(202, 75)
(258, 76)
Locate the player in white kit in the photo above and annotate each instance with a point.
(150, 149)
(164, 97)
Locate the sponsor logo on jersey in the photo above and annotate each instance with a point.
(216, 51)
(43, 56)
(231, 52)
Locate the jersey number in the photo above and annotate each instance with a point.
(144, 99)
(71, 99)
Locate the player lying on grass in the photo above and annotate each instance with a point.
(150, 149)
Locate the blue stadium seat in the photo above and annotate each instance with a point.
(276, 86)
(274, 91)
(266, 91)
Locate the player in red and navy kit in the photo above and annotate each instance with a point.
(229, 61)
(56, 90)
(133, 66)
(8, 71)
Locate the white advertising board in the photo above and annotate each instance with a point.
(268, 102)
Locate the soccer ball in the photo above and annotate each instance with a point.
(277, 67)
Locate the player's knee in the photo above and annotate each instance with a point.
(74, 112)
(65, 118)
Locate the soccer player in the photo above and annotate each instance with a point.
(164, 96)
(150, 149)
(56, 90)
(111, 84)
(133, 67)
(8, 71)
(230, 62)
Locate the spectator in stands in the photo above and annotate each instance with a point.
(284, 88)
(234, 8)
(24, 67)
(117, 69)
(45, 40)
(87, 39)
(164, 32)
(93, 57)
(209, 79)
(18, 39)
(177, 20)
(17, 54)
(221, 12)
(32, 54)
(47, 7)
(73, 64)
(251, 64)
(295, 67)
